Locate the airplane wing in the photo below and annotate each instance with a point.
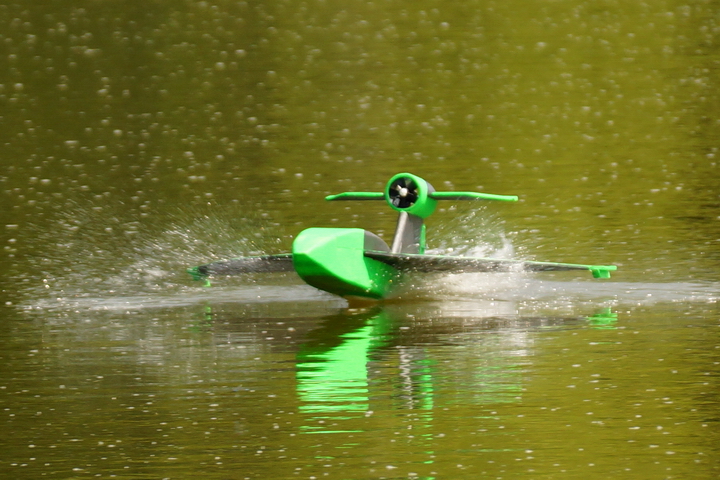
(402, 262)
(443, 263)
(237, 266)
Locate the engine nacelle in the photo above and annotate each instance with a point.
(409, 193)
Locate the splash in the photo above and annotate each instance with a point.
(82, 254)
(478, 233)
(114, 260)
(470, 232)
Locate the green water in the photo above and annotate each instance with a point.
(139, 139)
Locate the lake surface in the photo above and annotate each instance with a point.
(139, 140)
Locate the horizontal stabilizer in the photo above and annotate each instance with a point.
(442, 263)
(433, 195)
(356, 196)
(471, 196)
(241, 265)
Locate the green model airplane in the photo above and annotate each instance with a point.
(352, 262)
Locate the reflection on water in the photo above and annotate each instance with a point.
(411, 389)
(337, 372)
(344, 361)
(603, 319)
(333, 366)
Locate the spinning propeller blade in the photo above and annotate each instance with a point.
(403, 192)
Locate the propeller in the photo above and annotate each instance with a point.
(403, 192)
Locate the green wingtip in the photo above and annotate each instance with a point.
(198, 276)
(602, 271)
(195, 273)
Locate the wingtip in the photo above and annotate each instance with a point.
(196, 274)
(602, 271)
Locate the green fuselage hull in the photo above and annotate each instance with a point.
(332, 259)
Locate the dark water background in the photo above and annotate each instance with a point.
(137, 139)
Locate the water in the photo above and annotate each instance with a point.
(165, 387)
(139, 141)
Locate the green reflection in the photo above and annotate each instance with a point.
(604, 319)
(336, 379)
(359, 376)
(332, 366)
(333, 379)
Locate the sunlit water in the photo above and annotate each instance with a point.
(281, 381)
(137, 141)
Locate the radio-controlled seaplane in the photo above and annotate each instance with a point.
(352, 262)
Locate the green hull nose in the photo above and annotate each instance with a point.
(332, 259)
